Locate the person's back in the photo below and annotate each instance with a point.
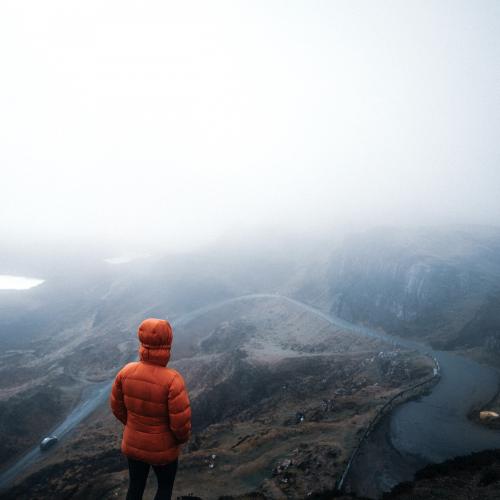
(152, 401)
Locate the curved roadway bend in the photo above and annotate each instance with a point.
(431, 429)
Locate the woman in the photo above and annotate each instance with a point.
(152, 401)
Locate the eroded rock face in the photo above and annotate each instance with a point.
(403, 291)
(439, 283)
(484, 327)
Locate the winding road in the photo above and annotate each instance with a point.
(432, 429)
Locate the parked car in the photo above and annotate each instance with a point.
(48, 442)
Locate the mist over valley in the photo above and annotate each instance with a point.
(289, 356)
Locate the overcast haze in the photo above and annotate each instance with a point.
(182, 121)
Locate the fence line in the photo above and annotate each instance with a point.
(383, 410)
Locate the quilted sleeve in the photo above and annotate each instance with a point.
(179, 409)
(116, 400)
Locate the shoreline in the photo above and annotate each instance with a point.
(402, 397)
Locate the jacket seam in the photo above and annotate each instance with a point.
(145, 400)
(150, 382)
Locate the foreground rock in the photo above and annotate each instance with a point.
(463, 478)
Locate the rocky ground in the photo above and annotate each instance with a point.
(280, 397)
(44, 381)
(476, 476)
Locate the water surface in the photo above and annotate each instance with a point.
(9, 282)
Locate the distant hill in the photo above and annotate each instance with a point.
(441, 284)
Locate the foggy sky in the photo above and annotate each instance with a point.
(179, 122)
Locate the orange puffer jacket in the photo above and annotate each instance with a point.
(151, 399)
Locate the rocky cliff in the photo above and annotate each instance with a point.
(442, 284)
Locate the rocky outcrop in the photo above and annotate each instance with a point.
(443, 284)
(473, 476)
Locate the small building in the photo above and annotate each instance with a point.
(488, 415)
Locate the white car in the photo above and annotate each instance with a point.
(48, 442)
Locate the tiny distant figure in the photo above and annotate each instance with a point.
(152, 402)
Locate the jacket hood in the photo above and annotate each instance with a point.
(155, 336)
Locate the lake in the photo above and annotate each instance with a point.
(9, 282)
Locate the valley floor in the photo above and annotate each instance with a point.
(280, 399)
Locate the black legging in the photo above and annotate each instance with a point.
(138, 474)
